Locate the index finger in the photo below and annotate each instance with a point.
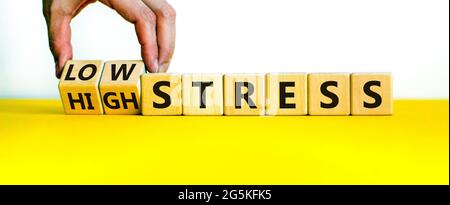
(165, 24)
(136, 12)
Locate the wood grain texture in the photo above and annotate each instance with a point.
(339, 85)
(371, 94)
(78, 87)
(120, 87)
(192, 96)
(295, 85)
(236, 87)
(172, 89)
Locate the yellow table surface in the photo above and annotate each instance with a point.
(41, 145)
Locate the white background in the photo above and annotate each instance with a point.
(409, 38)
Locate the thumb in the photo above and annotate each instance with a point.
(59, 35)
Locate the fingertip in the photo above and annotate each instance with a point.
(61, 62)
(162, 68)
(152, 67)
(155, 66)
(58, 71)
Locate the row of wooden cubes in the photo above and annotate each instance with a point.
(123, 87)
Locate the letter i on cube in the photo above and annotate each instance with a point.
(78, 87)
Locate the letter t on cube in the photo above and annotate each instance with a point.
(202, 94)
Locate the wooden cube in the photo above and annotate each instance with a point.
(120, 87)
(202, 94)
(161, 94)
(78, 87)
(244, 94)
(371, 94)
(286, 94)
(329, 94)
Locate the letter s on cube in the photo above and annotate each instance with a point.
(371, 94)
(329, 94)
(161, 94)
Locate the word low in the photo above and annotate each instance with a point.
(123, 87)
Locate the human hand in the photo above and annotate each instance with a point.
(154, 22)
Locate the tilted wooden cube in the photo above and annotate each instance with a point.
(78, 87)
(202, 94)
(244, 94)
(120, 87)
(371, 94)
(329, 94)
(161, 94)
(286, 94)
